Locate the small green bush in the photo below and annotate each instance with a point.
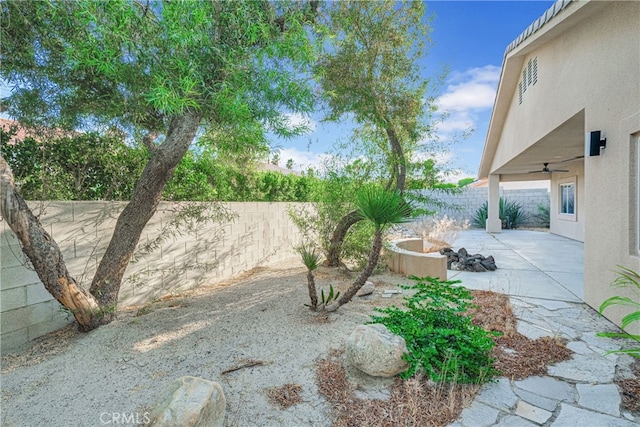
(442, 341)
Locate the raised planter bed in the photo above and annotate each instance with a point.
(410, 257)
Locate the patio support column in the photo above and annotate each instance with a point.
(494, 224)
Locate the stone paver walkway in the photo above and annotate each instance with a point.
(542, 274)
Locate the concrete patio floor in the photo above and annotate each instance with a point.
(542, 274)
(530, 263)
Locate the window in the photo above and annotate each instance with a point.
(568, 198)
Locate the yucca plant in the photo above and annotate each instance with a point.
(626, 278)
(383, 208)
(311, 259)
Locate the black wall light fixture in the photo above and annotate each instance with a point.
(596, 143)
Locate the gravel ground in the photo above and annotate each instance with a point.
(116, 374)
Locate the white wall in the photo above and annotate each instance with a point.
(463, 205)
(261, 234)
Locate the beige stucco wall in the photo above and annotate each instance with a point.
(201, 254)
(588, 68)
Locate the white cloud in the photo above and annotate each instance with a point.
(455, 122)
(302, 160)
(471, 89)
(297, 119)
(486, 74)
(468, 95)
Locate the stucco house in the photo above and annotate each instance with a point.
(568, 110)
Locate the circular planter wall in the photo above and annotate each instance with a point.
(408, 257)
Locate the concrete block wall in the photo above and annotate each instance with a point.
(465, 204)
(199, 254)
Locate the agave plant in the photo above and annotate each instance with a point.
(383, 208)
(511, 213)
(626, 278)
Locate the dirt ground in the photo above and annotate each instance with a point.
(251, 335)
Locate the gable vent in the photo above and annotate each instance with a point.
(520, 93)
(529, 77)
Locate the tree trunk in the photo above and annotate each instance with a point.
(374, 255)
(144, 202)
(347, 221)
(44, 254)
(399, 162)
(339, 233)
(313, 294)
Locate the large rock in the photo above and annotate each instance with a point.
(376, 351)
(191, 401)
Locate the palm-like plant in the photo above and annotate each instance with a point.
(311, 259)
(383, 208)
(627, 278)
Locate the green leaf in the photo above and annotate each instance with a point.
(617, 300)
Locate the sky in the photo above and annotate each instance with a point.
(469, 38)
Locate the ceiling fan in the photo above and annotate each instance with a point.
(546, 169)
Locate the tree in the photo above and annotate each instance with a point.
(382, 208)
(85, 166)
(371, 73)
(163, 71)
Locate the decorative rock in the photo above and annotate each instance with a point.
(456, 266)
(191, 401)
(376, 351)
(478, 267)
(462, 261)
(366, 289)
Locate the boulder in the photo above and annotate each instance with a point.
(376, 351)
(191, 401)
(366, 289)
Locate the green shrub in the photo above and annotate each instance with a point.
(442, 341)
(627, 278)
(511, 213)
(544, 215)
